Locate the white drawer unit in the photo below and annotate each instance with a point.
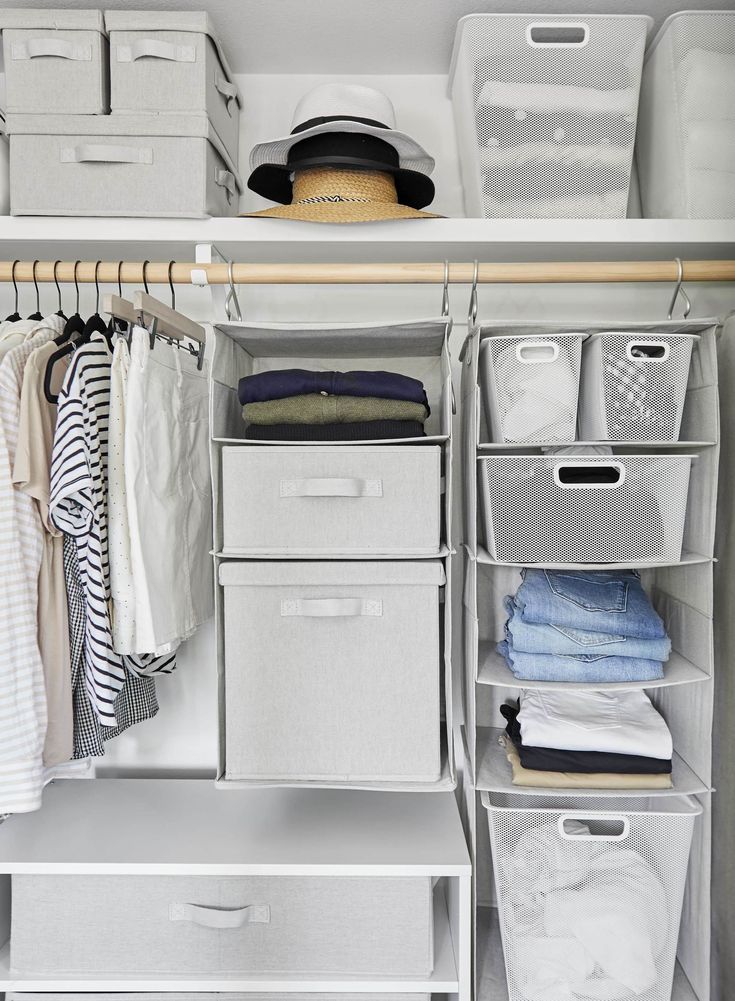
(332, 672)
(331, 501)
(172, 61)
(56, 62)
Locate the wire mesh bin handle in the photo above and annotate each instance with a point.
(649, 350)
(537, 352)
(572, 476)
(621, 835)
(331, 608)
(557, 35)
(218, 917)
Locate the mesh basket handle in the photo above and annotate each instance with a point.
(616, 470)
(624, 823)
(557, 34)
(537, 352)
(656, 351)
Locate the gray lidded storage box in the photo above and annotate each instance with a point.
(234, 924)
(56, 62)
(332, 671)
(327, 500)
(166, 165)
(172, 61)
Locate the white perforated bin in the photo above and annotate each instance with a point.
(558, 509)
(545, 109)
(633, 387)
(530, 386)
(589, 897)
(686, 142)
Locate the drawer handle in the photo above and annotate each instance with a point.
(583, 475)
(227, 90)
(91, 153)
(154, 48)
(556, 35)
(331, 487)
(330, 608)
(59, 47)
(648, 350)
(217, 917)
(605, 828)
(537, 352)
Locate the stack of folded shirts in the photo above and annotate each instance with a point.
(591, 626)
(587, 740)
(299, 405)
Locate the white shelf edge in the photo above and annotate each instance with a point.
(317, 554)
(687, 559)
(495, 672)
(490, 447)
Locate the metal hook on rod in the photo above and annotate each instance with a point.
(97, 288)
(60, 311)
(472, 314)
(445, 290)
(679, 291)
(76, 284)
(231, 299)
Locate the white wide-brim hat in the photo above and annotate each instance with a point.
(341, 107)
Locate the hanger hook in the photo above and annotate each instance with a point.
(679, 291)
(38, 293)
(171, 284)
(445, 291)
(56, 282)
(15, 284)
(145, 280)
(232, 303)
(97, 287)
(76, 283)
(119, 280)
(472, 315)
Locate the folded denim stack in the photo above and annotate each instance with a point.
(300, 405)
(593, 627)
(587, 740)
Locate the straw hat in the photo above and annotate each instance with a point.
(323, 194)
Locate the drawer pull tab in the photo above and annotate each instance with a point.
(153, 48)
(225, 179)
(331, 487)
(59, 47)
(217, 917)
(229, 93)
(100, 153)
(330, 608)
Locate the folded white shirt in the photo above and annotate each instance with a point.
(558, 98)
(707, 81)
(619, 722)
(710, 145)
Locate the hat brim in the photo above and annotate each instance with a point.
(411, 155)
(342, 212)
(273, 181)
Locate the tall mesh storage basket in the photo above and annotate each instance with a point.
(557, 509)
(633, 387)
(545, 109)
(530, 387)
(686, 143)
(589, 893)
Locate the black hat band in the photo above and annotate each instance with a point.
(375, 153)
(314, 122)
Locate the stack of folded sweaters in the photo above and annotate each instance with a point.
(592, 626)
(587, 740)
(299, 405)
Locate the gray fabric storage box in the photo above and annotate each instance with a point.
(239, 924)
(332, 671)
(56, 62)
(172, 61)
(165, 165)
(327, 500)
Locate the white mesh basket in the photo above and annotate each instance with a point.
(545, 109)
(557, 509)
(633, 386)
(530, 386)
(686, 141)
(589, 897)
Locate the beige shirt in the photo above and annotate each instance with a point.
(31, 474)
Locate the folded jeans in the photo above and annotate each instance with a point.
(585, 669)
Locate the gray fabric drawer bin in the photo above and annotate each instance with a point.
(56, 62)
(164, 165)
(240, 924)
(331, 671)
(332, 500)
(163, 61)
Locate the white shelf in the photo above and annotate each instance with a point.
(494, 775)
(95, 827)
(492, 670)
(687, 558)
(443, 979)
(311, 554)
(489, 446)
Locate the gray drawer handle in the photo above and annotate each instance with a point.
(227, 90)
(226, 179)
(154, 48)
(93, 153)
(217, 917)
(571, 475)
(331, 608)
(331, 487)
(61, 48)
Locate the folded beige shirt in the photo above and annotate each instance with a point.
(576, 780)
(317, 408)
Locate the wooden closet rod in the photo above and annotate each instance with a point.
(157, 273)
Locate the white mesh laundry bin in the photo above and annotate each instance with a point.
(545, 110)
(530, 386)
(590, 893)
(560, 509)
(633, 386)
(686, 142)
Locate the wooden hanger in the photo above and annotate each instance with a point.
(166, 320)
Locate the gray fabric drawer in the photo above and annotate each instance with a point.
(240, 924)
(171, 166)
(332, 500)
(162, 61)
(56, 62)
(332, 671)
